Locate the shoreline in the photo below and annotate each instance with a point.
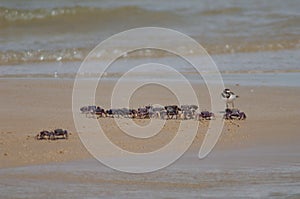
(267, 79)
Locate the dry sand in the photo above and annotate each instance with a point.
(31, 105)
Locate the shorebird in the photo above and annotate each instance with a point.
(228, 96)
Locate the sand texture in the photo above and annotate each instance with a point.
(29, 106)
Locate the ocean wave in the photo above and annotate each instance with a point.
(32, 56)
(12, 16)
(78, 54)
(69, 33)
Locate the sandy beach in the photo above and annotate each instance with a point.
(29, 106)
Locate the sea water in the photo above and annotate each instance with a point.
(39, 31)
(265, 172)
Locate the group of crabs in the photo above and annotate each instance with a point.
(184, 112)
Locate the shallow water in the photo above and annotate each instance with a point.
(279, 68)
(248, 173)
